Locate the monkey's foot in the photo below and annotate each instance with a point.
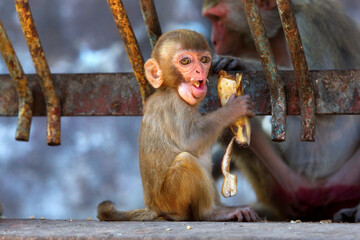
(348, 215)
(230, 214)
(244, 215)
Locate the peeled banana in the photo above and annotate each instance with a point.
(228, 85)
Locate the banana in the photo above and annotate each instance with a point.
(226, 86)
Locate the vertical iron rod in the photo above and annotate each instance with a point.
(22, 86)
(53, 108)
(131, 45)
(306, 89)
(151, 20)
(277, 93)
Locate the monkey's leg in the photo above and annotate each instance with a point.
(267, 154)
(293, 194)
(349, 173)
(189, 194)
(349, 178)
(187, 191)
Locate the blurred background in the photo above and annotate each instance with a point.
(98, 156)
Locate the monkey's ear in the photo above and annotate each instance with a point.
(266, 4)
(153, 73)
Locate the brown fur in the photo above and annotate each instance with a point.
(171, 42)
(174, 145)
(331, 41)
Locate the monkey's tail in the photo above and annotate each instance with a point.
(107, 212)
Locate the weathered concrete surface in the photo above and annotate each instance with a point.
(65, 229)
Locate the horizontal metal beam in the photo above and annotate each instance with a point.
(117, 94)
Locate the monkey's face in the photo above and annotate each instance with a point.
(194, 67)
(230, 33)
(222, 37)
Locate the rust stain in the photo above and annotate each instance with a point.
(119, 93)
(277, 93)
(356, 101)
(151, 20)
(38, 56)
(22, 86)
(131, 45)
(306, 89)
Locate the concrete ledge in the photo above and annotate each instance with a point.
(82, 229)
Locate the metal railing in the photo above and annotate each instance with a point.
(283, 93)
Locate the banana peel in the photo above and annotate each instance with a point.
(228, 85)
(229, 186)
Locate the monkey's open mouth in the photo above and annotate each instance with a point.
(198, 83)
(198, 88)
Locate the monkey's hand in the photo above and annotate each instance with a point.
(229, 187)
(228, 63)
(227, 86)
(240, 106)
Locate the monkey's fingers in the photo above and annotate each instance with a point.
(227, 86)
(219, 63)
(249, 214)
(228, 63)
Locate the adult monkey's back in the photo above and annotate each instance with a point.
(297, 179)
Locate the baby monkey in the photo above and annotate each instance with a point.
(175, 139)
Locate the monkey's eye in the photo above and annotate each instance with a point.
(204, 59)
(185, 61)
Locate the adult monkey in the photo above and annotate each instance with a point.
(297, 179)
(175, 139)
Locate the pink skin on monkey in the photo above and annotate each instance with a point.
(194, 67)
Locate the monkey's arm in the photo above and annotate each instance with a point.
(228, 63)
(284, 175)
(207, 128)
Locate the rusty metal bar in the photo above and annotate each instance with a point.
(117, 94)
(131, 45)
(22, 86)
(151, 20)
(278, 104)
(297, 54)
(38, 56)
